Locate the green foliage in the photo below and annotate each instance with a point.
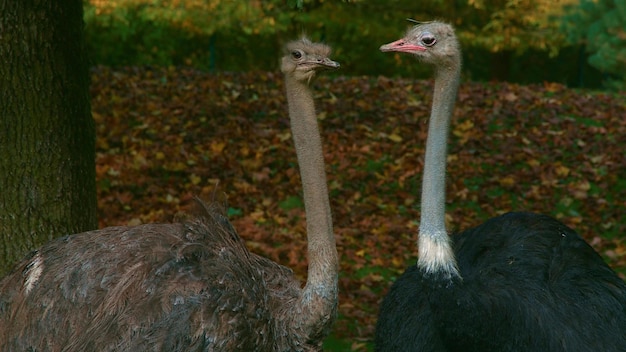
(131, 35)
(514, 40)
(292, 202)
(334, 343)
(512, 25)
(192, 33)
(600, 25)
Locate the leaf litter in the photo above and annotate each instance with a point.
(165, 135)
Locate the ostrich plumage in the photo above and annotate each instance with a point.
(518, 282)
(187, 286)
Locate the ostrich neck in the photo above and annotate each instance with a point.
(435, 252)
(318, 301)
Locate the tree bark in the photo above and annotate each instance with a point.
(47, 134)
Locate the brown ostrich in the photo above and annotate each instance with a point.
(519, 282)
(188, 286)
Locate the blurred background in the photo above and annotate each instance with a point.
(186, 94)
(580, 43)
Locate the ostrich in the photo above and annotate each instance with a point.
(188, 286)
(518, 282)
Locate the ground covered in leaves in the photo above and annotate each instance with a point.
(167, 135)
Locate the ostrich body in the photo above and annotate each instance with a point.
(189, 286)
(518, 282)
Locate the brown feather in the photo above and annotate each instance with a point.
(187, 286)
(155, 286)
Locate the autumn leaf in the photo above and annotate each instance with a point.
(166, 135)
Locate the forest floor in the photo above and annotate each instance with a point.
(167, 135)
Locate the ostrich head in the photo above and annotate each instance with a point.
(303, 58)
(431, 42)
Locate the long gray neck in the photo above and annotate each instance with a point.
(435, 251)
(319, 298)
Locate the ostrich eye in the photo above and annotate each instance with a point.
(429, 39)
(296, 54)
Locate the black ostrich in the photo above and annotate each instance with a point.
(520, 281)
(189, 286)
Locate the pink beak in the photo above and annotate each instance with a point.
(402, 46)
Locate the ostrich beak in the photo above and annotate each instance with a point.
(320, 63)
(329, 63)
(402, 46)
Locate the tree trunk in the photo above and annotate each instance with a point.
(47, 135)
